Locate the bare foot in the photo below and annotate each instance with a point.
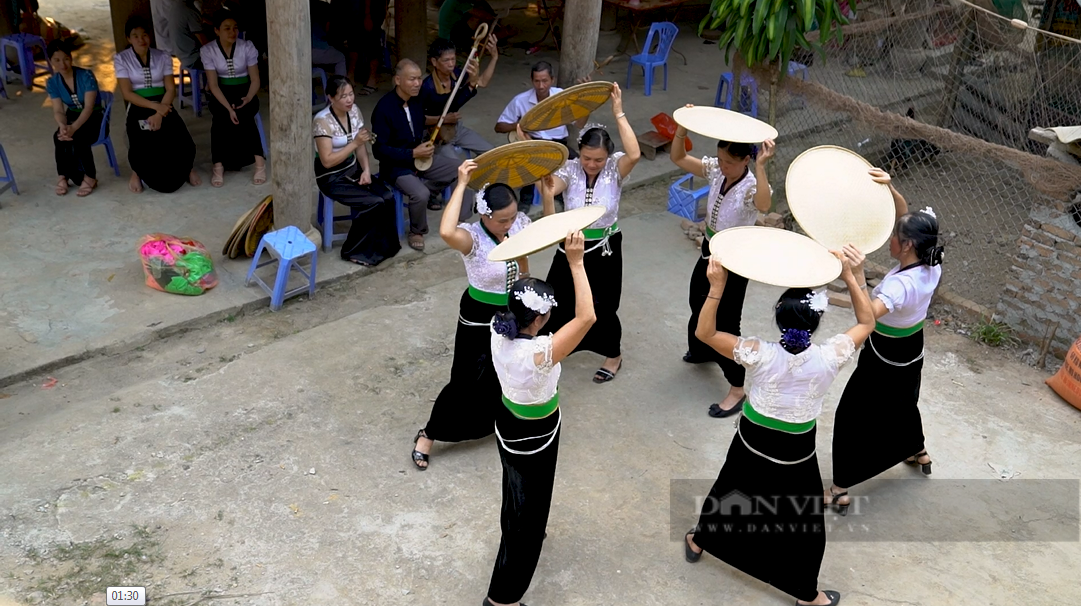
(134, 184)
(821, 600)
(734, 397)
(61, 186)
(193, 178)
(260, 171)
(612, 364)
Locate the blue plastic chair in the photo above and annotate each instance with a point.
(747, 81)
(683, 198)
(197, 82)
(262, 135)
(666, 33)
(286, 247)
(7, 180)
(24, 45)
(400, 208)
(104, 138)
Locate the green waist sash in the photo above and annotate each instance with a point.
(601, 233)
(709, 232)
(892, 331)
(760, 419)
(236, 80)
(153, 91)
(530, 412)
(491, 298)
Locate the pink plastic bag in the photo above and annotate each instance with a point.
(176, 265)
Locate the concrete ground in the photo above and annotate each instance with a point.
(265, 461)
(72, 281)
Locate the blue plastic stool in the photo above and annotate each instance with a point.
(746, 80)
(24, 45)
(262, 135)
(399, 205)
(286, 246)
(7, 181)
(325, 218)
(104, 138)
(801, 69)
(683, 199)
(197, 82)
(649, 61)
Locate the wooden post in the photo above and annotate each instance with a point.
(411, 30)
(290, 135)
(120, 11)
(581, 24)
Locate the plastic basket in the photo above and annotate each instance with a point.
(683, 198)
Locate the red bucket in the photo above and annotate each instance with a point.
(666, 126)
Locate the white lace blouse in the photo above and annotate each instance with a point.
(606, 189)
(522, 380)
(790, 387)
(490, 276)
(907, 294)
(734, 209)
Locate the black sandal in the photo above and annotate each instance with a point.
(691, 555)
(717, 412)
(841, 508)
(487, 603)
(914, 461)
(419, 456)
(603, 375)
(690, 358)
(435, 205)
(834, 596)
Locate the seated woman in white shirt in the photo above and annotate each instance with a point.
(527, 425)
(161, 152)
(232, 72)
(762, 514)
(878, 424)
(595, 177)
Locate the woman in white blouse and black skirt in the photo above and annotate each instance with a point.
(878, 422)
(527, 425)
(763, 515)
(232, 72)
(161, 152)
(343, 173)
(735, 199)
(595, 177)
(466, 406)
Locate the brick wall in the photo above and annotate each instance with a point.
(1044, 284)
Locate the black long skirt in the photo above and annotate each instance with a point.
(605, 273)
(234, 145)
(528, 482)
(729, 316)
(465, 408)
(373, 235)
(162, 158)
(765, 518)
(877, 424)
(75, 158)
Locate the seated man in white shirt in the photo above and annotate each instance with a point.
(543, 78)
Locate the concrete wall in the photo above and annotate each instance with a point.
(1045, 284)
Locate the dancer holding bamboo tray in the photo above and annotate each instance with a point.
(527, 426)
(595, 177)
(736, 195)
(466, 407)
(876, 428)
(771, 463)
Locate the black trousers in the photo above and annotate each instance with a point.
(528, 482)
(75, 158)
(729, 315)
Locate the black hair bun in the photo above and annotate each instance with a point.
(504, 324)
(934, 256)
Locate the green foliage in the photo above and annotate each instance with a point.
(994, 333)
(767, 31)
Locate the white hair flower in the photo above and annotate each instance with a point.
(817, 301)
(482, 204)
(539, 303)
(586, 129)
(928, 211)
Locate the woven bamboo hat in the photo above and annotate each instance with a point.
(834, 200)
(723, 125)
(566, 106)
(775, 256)
(518, 164)
(545, 232)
